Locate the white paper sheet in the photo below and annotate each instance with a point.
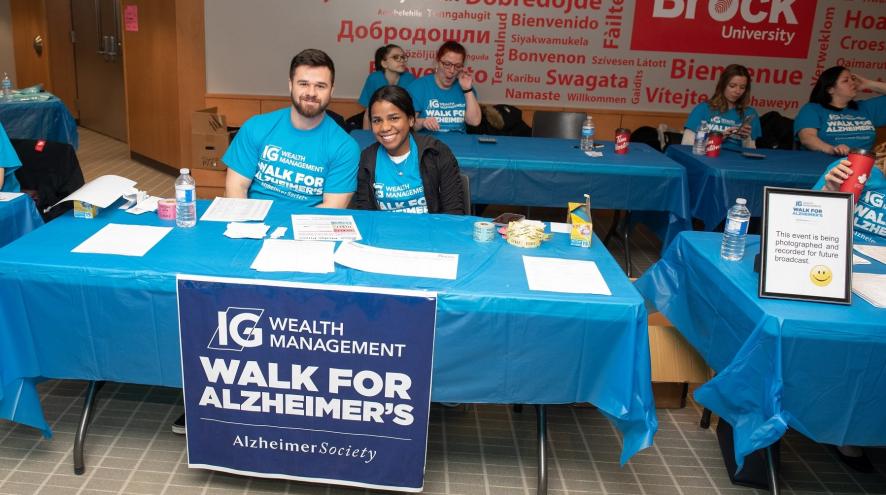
(238, 230)
(876, 252)
(871, 287)
(397, 262)
(278, 232)
(147, 204)
(283, 255)
(101, 192)
(561, 228)
(9, 196)
(559, 275)
(325, 228)
(237, 210)
(126, 240)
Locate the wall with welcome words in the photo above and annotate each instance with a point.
(643, 55)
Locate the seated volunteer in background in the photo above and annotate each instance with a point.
(405, 172)
(8, 163)
(446, 100)
(298, 153)
(390, 69)
(727, 111)
(870, 212)
(833, 122)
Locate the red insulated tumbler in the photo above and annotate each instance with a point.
(622, 138)
(862, 163)
(713, 143)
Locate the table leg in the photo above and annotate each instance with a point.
(773, 472)
(613, 227)
(626, 239)
(542, 454)
(88, 404)
(705, 419)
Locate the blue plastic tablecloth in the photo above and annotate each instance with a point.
(104, 317)
(714, 183)
(49, 120)
(17, 217)
(552, 172)
(817, 368)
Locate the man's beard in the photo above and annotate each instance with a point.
(305, 112)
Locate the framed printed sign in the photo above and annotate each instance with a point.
(806, 248)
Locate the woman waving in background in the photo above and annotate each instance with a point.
(446, 100)
(390, 69)
(833, 122)
(727, 111)
(402, 171)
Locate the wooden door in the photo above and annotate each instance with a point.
(28, 30)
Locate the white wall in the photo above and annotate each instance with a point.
(7, 58)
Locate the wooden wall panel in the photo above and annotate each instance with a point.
(238, 108)
(60, 49)
(235, 110)
(150, 60)
(165, 74)
(190, 69)
(269, 105)
(28, 21)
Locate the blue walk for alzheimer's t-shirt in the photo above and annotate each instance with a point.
(8, 162)
(721, 121)
(446, 105)
(398, 186)
(854, 128)
(870, 211)
(378, 80)
(288, 163)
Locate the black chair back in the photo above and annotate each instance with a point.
(48, 174)
(557, 124)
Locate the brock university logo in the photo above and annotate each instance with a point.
(237, 329)
(778, 28)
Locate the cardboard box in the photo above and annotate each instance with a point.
(674, 362)
(209, 139)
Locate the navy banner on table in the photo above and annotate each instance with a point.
(309, 382)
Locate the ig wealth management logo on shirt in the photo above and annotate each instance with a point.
(271, 153)
(778, 28)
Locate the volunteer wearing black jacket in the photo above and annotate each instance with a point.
(403, 171)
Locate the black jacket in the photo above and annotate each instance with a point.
(439, 175)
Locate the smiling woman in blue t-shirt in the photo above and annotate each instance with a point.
(833, 122)
(404, 172)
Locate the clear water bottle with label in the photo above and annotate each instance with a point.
(587, 135)
(736, 231)
(701, 134)
(185, 200)
(6, 86)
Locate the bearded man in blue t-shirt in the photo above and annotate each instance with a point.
(298, 154)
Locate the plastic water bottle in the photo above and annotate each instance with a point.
(700, 135)
(185, 200)
(6, 86)
(736, 231)
(587, 135)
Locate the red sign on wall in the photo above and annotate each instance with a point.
(772, 28)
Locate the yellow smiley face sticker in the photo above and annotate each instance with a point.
(820, 275)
